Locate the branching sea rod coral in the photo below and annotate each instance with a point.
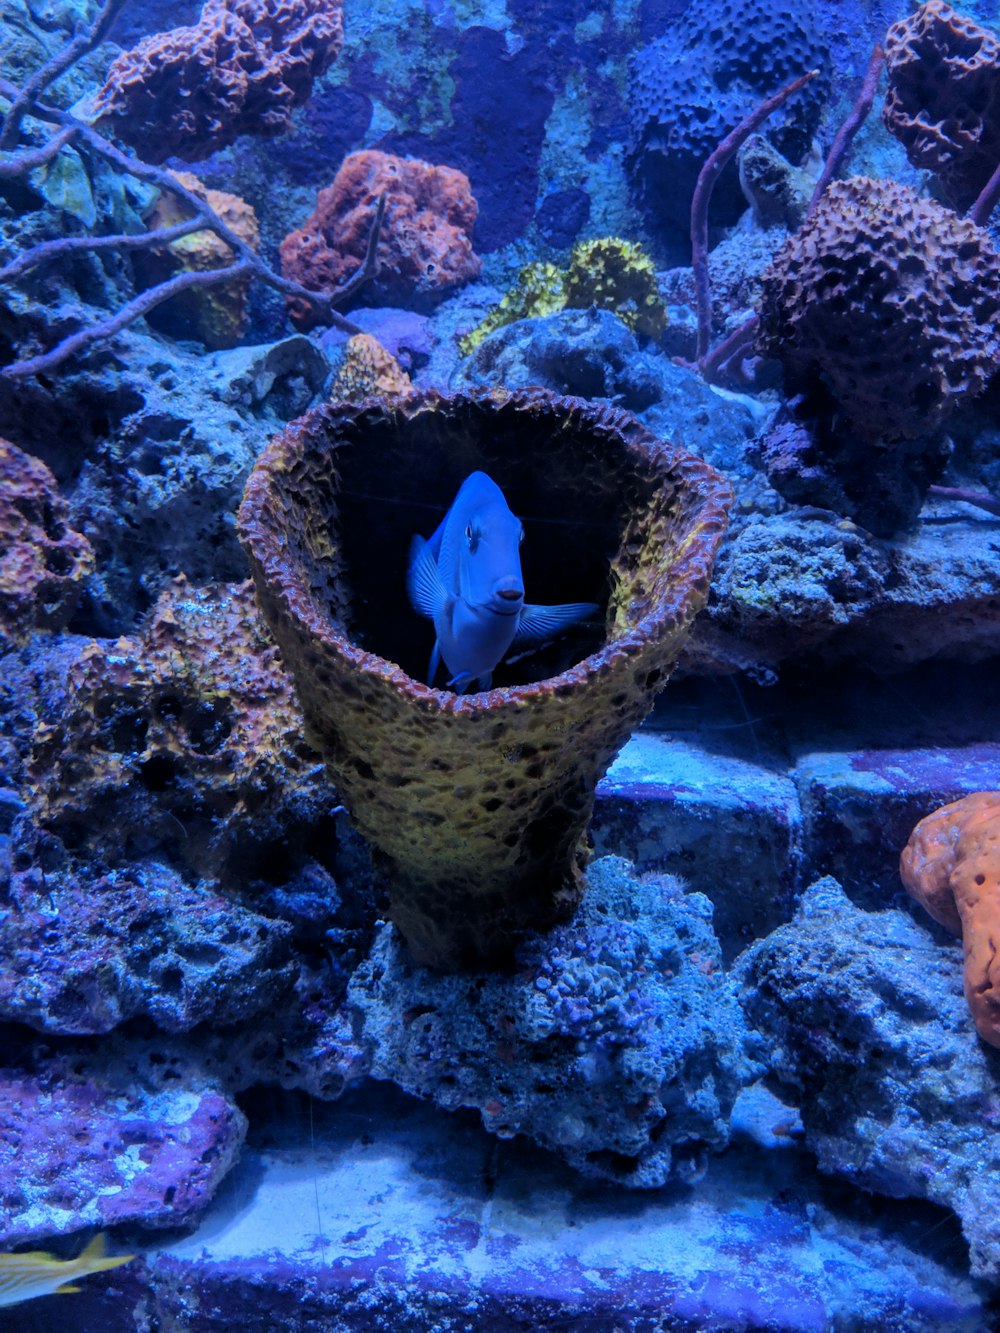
(476, 805)
(21, 153)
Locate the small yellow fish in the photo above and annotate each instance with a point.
(37, 1273)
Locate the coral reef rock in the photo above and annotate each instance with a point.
(185, 741)
(425, 245)
(607, 274)
(951, 865)
(890, 301)
(943, 98)
(584, 353)
(864, 1027)
(43, 562)
(108, 1137)
(476, 805)
(216, 315)
(85, 953)
(367, 370)
(241, 69)
(616, 1042)
(692, 86)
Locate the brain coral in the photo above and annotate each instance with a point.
(241, 69)
(689, 88)
(425, 244)
(889, 303)
(943, 99)
(43, 562)
(477, 804)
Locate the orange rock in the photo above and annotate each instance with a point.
(425, 244)
(216, 316)
(368, 371)
(951, 865)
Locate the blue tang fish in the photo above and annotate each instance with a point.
(467, 579)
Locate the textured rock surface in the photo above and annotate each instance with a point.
(391, 1218)
(943, 99)
(476, 804)
(152, 446)
(87, 1143)
(191, 727)
(43, 562)
(890, 301)
(84, 953)
(616, 1042)
(801, 585)
(865, 1026)
(241, 69)
(218, 315)
(693, 85)
(425, 242)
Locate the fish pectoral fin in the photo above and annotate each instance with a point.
(460, 683)
(434, 663)
(535, 624)
(423, 580)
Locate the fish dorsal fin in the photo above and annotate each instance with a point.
(423, 582)
(538, 623)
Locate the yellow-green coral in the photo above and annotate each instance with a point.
(610, 273)
(539, 291)
(619, 276)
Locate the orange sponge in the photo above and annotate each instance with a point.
(951, 865)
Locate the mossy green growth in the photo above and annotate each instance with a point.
(610, 273)
(616, 275)
(539, 291)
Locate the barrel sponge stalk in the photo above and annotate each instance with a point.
(476, 806)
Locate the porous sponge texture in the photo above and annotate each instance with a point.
(889, 300)
(943, 99)
(689, 88)
(951, 866)
(476, 805)
(241, 69)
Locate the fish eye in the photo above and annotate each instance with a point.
(472, 537)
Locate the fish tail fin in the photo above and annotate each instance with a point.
(94, 1258)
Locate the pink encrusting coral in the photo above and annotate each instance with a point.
(241, 69)
(425, 244)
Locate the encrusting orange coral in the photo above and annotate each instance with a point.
(951, 865)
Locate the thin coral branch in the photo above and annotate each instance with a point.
(982, 209)
(720, 156)
(14, 165)
(62, 245)
(845, 135)
(205, 217)
(981, 499)
(727, 360)
(25, 98)
(128, 314)
(326, 302)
